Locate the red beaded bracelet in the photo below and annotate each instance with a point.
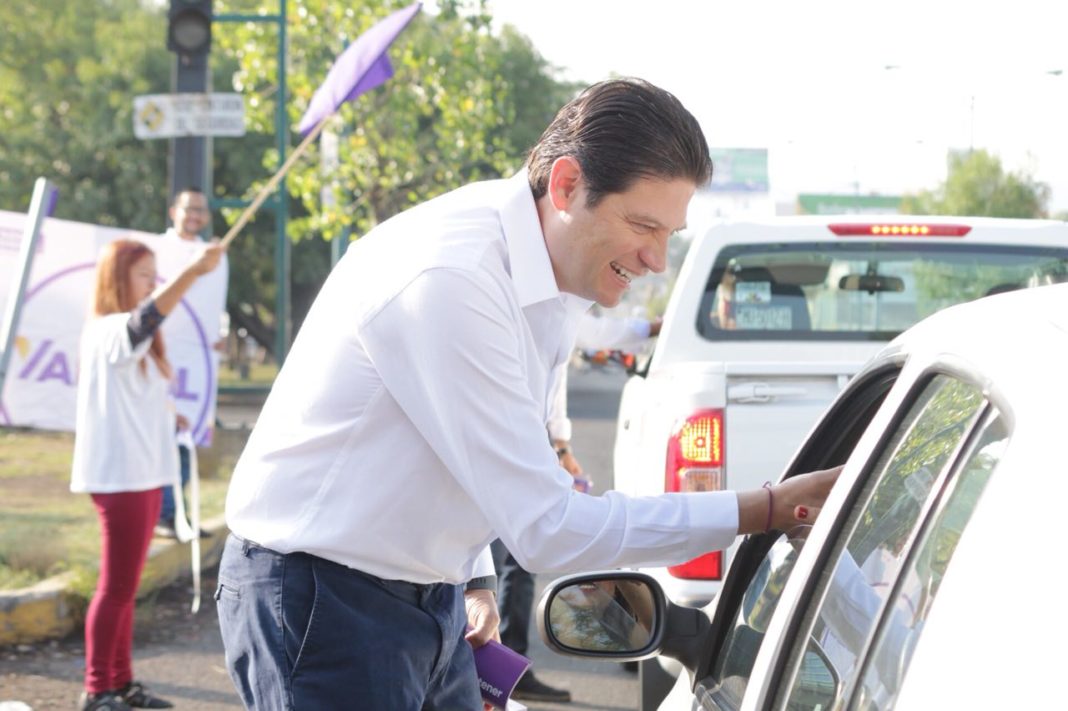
(771, 505)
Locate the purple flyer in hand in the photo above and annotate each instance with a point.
(499, 669)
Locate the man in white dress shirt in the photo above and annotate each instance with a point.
(407, 428)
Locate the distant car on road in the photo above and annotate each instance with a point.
(926, 581)
(767, 322)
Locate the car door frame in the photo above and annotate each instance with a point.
(865, 394)
(775, 664)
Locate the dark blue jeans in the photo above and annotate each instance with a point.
(304, 633)
(515, 598)
(167, 508)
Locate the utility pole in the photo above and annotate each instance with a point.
(189, 37)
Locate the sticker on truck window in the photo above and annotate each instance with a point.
(763, 318)
(752, 292)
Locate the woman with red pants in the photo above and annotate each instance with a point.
(124, 451)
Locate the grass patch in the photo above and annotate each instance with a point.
(49, 530)
(260, 375)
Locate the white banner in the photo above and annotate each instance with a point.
(41, 379)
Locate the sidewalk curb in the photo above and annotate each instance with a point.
(49, 610)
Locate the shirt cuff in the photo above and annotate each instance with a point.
(560, 429)
(713, 521)
(485, 582)
(641, 328)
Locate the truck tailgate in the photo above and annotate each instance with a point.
(769, 410)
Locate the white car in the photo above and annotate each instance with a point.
(928, 580)
(768, 321)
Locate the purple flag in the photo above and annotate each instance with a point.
(360, 68)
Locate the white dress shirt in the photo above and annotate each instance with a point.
(406, 429)
(610, 332)
(594, 333)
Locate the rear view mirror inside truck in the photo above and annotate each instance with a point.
(871, 283)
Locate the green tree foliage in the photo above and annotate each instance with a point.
(464, 104)
(69, 70)
(978, 185)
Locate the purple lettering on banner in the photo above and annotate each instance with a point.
(32, 362)
(178, 389)
(57, 369)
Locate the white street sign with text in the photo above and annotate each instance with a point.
(171, 115)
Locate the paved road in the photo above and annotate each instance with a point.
(180, 655)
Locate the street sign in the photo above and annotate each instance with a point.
(171, 115)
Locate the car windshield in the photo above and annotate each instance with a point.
(846, 291)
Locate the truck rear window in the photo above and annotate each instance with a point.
(858, 290)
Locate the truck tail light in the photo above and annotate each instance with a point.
(695, 463)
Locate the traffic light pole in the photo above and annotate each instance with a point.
(189, 37)
(188, 154)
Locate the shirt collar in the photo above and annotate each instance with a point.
(528, 257)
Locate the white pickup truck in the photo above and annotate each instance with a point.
(769, 320)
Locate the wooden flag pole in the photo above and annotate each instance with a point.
(273, 182)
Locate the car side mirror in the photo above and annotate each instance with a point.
(608, 615)
(818, 682)
(621, 615)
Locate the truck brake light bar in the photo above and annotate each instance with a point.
(903, 229)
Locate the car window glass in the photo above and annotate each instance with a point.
(888, 510)
(830, 445)
(858, 290)
(735, 661)
(919, 584)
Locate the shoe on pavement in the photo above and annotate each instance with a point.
(137, 696)
(530, 688)
(103, 701)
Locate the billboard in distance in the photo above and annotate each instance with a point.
(739, 170)
(830, 204)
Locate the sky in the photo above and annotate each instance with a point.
(848, 97)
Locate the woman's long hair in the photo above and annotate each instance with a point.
(112, 294)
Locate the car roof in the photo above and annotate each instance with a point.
(994, 332)
(999, 605)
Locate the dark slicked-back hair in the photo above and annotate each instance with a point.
(620, 131)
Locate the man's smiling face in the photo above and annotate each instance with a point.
(598, 251)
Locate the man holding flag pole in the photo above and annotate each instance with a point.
(407, 428)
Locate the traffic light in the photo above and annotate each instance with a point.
(189, 37)
(189, 28)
